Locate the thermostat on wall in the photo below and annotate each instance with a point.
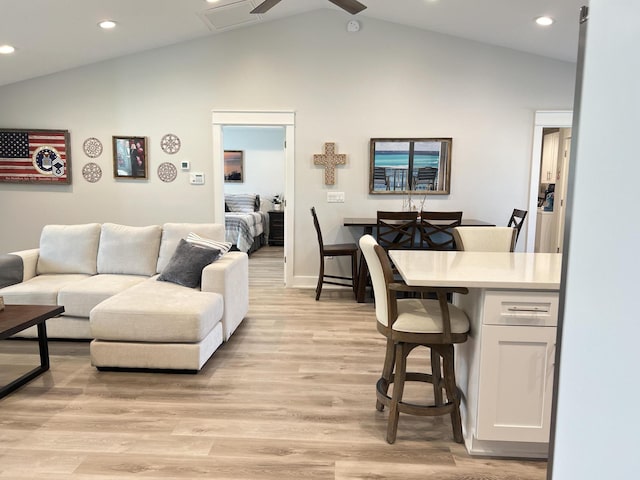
(196, 178)
(185, 165)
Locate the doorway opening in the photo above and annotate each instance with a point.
(549, 166)
(231, 120)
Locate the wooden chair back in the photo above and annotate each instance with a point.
(316, 224)
(397, 230)
(436, 229)
(516, 220)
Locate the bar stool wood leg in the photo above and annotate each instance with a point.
(452, 390)
(387, 374)
(437, 377)
(398, 390)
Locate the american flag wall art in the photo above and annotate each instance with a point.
(35, 156)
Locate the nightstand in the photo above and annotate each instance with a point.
(276, 227)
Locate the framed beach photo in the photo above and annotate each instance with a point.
(130, 157)
(233, 166)
(416, 165)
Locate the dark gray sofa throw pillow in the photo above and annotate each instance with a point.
(186, 264)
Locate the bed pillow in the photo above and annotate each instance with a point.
(241, 202)
(186, 264)
(196, 239)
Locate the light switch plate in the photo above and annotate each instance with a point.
(335, 197)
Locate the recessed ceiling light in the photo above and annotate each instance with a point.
(107, 24)
(6, 49)
(212, 1)
(545, 21)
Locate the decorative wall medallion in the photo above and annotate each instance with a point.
(167, 172)
(92, 147)
(92, 172)
(170, 143)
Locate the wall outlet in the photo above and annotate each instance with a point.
(335, 197)
(196, 178)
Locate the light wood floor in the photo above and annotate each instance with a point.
(290, 396)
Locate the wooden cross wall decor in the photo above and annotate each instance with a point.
(329, 159)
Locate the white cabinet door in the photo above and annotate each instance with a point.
(516, 383)
(549, 158)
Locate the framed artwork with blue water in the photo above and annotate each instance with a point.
(417, 165)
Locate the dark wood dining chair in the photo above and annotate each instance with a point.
(397, 230)
(335, 250)
(516, 220)
(408, 323)
(435, 229)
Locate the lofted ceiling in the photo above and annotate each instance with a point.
(51, 36)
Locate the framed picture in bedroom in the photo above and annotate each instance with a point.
(130, 157)
(35, 156)
(233, 166)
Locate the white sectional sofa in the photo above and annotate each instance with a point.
(107, 278)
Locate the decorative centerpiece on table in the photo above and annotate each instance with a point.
(277, 201)
(410, 204)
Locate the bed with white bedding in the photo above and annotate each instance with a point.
(245, 224)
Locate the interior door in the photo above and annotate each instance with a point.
(561, 192)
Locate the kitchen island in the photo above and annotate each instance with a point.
(505, 369)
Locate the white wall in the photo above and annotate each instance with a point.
(596, 434)
(384, 81)
(264, 161)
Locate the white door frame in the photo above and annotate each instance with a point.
(543, 119)
(286, 119)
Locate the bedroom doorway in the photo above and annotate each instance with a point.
(227, 127)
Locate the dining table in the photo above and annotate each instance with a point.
(367, 224)
(505, 369)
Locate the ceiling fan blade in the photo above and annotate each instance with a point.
(351, 6)
(265, 6)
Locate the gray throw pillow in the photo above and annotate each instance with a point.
(186, 264)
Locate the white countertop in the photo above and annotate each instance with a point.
(531, 271)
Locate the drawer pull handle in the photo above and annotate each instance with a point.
(534, 309)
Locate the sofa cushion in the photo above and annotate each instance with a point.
(69, 249)
(173, 232)
(154, 311)
(80, 297)
(128, 250)
(40, 290)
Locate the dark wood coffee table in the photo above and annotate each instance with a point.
(14, 319)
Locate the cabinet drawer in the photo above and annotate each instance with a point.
(521, 308)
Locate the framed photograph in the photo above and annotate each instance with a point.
(130, 157)
(233, 166)
(416, 165)
(35, 156)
